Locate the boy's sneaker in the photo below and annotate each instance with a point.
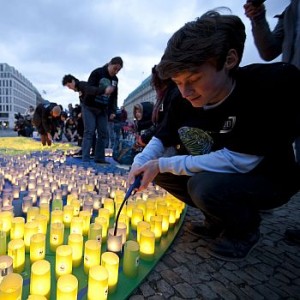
(202, 230)
(229, 248)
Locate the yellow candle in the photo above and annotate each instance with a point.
(147, 245)
(11, 287)
(40, 278)
(17, 228)
(97, 283)
(137, 216)
(172, 216)
(103, 222)
(63, 260)
(67, 287)
(31, 213)
(86, 217)
(150, 211)
(95, 232)
(57, 216)
(131, 258)
(16, 250)
(68, 215)
(5, 219)
(30, 228)
(142, 225)
(129, 208)
(76, 225)
(142, 205)
(156, 226)
(45, 210)
(3, 242)
(76, 207)
(110, 261)
(110, 205)
(75, 240)
(92, 252)
(36, 297)
(6, 266)
(125, 219)
(56, 235)
(165, 220)
(37, 247)
(104, 212)
(42, 223)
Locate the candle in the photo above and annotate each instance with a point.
(86, 217)
(26, 203)
(103, 222)
(57, 204)
(125, 219)
(104, 212)
(92, 252)
(122, 229)
(6, 266)
(75, 240)
(30, 229)
(2, 242)
(95, 232)
(114, 242)
(63, 260)
(11, 287)
(76, 207)
(40, 278)
(16, 250)
(5, 220)
(31, 213)
(17, 228)
(142, 225)
(130, 205)
(37, 248)
(156, 226)
(110, 261)
(36, 297)
(131, 258)
(42, 223)
(110, 205)
(67, 287)
(57, 216)
(76, 225)
(45, 210)
(172, 216)
(56, 235)
(97, 283)
(137, 216)
(68, 215)
(150, 211)
(147, 245)
(165, 220)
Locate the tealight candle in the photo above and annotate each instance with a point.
(114, 242)
(57, 216)
(45, 210)
(172, 216)
(130, 206)
(110, 261)
(76, 225)
(104, 212)
(42, 223)
(142, 225)
(40, 278)
(6, 266)
(31, 213)
(97, 283)
(75, 240)
(150, 211)
(57, 204)
(125, 219)
(92, 252)
(16, 250)
(131, 258)
(165, 220)
(45, 197)
(17, 228)
(11, 287)
(67, 287)
(30, 228)
(26, 203)
(68, 215)
(76, 207)
(104, 225)
(86, 218)
(56, 235)
(110, 205)
(156, 226)
(137, 216)
(95, 232)
(147, 245)
(37, 248)
(5, 219)
(63, 260)
(2, 242)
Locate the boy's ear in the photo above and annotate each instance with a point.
(231, 59)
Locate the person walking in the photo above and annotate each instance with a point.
(283, 39)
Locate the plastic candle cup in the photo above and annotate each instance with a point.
(142, 225)
(30, 228)
(5, 219)
(104, 212)
(36, 297)
(147, 245)
(17, 228)
(6, 266)
(45, 210)
(125, 219)
(95, 232)
(26, 203)
(110, 261)
(76, 225)
(67, 287)
(76, 207)
(40, 278)
(129, 208)
(37, 247)
(131, 258)
(16, 250)
(57, 204)
(63, 260)
(165, 221)
(42, 223)
(31, 213)
(103, 222)
(110, 205)
(86, 217)
(172, 216)
(137, 216)
(68, 215)
(57, 216)
(92, 253)
(75, 240)
(3, 242)
(156, 226)
(97, 283)
(11, 287)
(114, 242)
(150, 211)
(56, 235)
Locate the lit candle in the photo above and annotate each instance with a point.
(56, 235)
(75, 240)
(114, 242)
(6, 266)
(67, 287)
(76, 207)
(2, 242)
(130, 205)
(172, 216)
(68, 215)
(104, 225)
(45, 210)
(16, 250)
(92, 252)
(57, 216)
(110, 205)
(125, 219)
(104, 212)
(86, 218)
(97, 283)
(147, 245)
(42, 223)
(5, 219)
(30, 228)
(63, 260)
(40, 278)
(31, 213)
(17, 228)
(11, 287)
(26, 203)
(131, 258)
(156, 226)
(142, 225)
(76, 225)
(95, 232)
(57, 204)
(45, 197)
(137, 216)
(165, 220)
(150, 211)
(110, 261)
(37, 247)
(36, 297)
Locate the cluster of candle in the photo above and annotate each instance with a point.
(75, 209)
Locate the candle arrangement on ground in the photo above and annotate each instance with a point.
(67, 228)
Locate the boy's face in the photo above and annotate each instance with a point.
(205, 86)
(71, 85)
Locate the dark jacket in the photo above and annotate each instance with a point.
(87, 91)
(146, 120)
(100, 78)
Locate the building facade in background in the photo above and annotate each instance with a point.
(16, 94)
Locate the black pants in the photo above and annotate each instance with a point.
(228, 201)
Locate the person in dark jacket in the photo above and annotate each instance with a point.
(45, 120)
